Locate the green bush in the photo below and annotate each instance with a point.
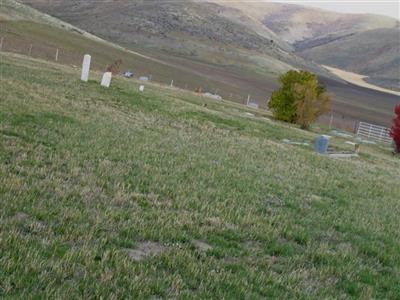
(301, 99)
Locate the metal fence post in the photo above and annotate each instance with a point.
(331, 122)
(381, 135)
(356, 126)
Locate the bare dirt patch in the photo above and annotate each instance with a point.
(252, 246)
(358, 79)
(144, 250)
(201, 245)
(21, 216)
(217, 222)
(28, 221)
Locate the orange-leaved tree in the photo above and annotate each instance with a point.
(395, 131)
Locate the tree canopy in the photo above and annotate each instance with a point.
(301, 99)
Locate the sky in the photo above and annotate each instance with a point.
(389, 8)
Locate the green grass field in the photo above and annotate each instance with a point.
(93, 179)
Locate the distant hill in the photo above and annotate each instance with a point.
(295, 23)
(375, 53)
(362, 43)
(200, 31)
(257, 36)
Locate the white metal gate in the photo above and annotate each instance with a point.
(375, 132)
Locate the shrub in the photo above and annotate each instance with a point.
(301, 99)
(395, 131)
(114, 68)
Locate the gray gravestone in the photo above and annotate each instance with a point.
(106, 81)
(321, 144)
(86, 67)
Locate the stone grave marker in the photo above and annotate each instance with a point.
(321, 144)
(253, 105)
(86, 67)
(106, 81)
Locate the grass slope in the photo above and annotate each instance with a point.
(87, 174)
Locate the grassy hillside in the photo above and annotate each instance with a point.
(92, 179)
(196, 30)
(22, 32)
(232, 78)
(22, 26)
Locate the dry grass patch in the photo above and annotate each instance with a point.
(144, 250)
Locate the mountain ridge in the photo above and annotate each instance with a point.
(315, 34)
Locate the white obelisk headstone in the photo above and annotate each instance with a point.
(141, 88)
(86, 67)
(106, 81)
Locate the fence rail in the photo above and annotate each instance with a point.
(374, 132)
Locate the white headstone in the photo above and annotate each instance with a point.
(86, 67)
(141, 88)
(106, 81)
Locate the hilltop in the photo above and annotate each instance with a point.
(363, 43)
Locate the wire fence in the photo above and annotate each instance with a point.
(40, 50)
